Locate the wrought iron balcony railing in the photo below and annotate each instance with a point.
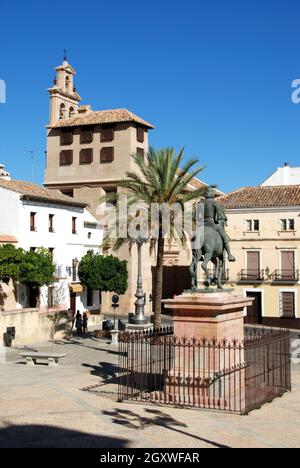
(285, 276)
(251, 275)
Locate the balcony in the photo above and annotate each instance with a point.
(251, 276)
(225, 275)
(285, 276)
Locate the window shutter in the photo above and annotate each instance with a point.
(107, 134)
(86, 156)
(253, 264)
(66, 137)
(288, 305)
(66, 158)
(140, 134)
(288, 264)
(32, 221)
(107, 155)
(86, 136)
(140, 151)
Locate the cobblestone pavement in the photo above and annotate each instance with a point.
(47, 407)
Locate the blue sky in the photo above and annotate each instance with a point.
(213, 76)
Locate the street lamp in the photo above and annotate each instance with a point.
(139, 317)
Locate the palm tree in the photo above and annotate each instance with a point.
(159, 179)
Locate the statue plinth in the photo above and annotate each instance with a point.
(208, 371)
(217, 315)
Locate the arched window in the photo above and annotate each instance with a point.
(68, 83)
(71, 112)
(62, 111)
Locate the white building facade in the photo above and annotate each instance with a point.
(285, 175)
(39, 218)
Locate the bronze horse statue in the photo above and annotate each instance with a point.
(211, 247)
(211, 250)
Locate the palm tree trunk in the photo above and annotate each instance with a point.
(159, 282)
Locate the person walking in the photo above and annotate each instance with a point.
(85, 323)
(78, 323)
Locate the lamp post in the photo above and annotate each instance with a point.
(139, 317)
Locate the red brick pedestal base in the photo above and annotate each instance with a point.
(209, 356)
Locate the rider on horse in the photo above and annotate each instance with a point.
(213, 214)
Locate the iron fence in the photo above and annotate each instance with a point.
(160, 368)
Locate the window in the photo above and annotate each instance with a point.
(107, 134)
(107, 155)
(51, 252)
(140, 151)
(86, 136)
(287, 265)
(68, 84)
(140, 134)
(113, 193)
(71, 112)
(32, 221)
(86, 156)
(62, 111)
(287, 224)
(287, 305)
(66, 137)
(74, 222)
(252, 225)
(68, 192)
(253, 265)
(89, 297)
(51, 223)
(66, 158)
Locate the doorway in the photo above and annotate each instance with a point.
(73, 303)
(254, 312)
(33, 297)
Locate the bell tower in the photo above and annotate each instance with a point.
(64, 99)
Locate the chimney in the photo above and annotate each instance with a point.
(3, 174)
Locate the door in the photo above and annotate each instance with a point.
(33, 297)
(73, 303)
(254, 312)
(253, 265)
(287, 265)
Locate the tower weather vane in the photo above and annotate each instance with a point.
(65, 55)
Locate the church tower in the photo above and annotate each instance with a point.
(64, 99)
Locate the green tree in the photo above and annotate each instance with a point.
(103, 273)
(11, 259)
(36, 269)
(161, 178)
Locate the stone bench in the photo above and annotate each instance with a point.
(52, 358)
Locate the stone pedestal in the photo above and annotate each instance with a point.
(217, 315)
(208, 362)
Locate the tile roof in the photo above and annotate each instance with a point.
(6, 239)
(102, 117)
(36, 192)
(199, 184)
(263, 197)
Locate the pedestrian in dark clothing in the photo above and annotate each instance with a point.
(85, 323)
(78, 323)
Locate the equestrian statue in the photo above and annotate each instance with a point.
(213, 245)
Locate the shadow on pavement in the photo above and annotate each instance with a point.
(135, 421)
(31, 436)
(107, 371)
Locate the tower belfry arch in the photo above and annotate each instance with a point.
(64, 99)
